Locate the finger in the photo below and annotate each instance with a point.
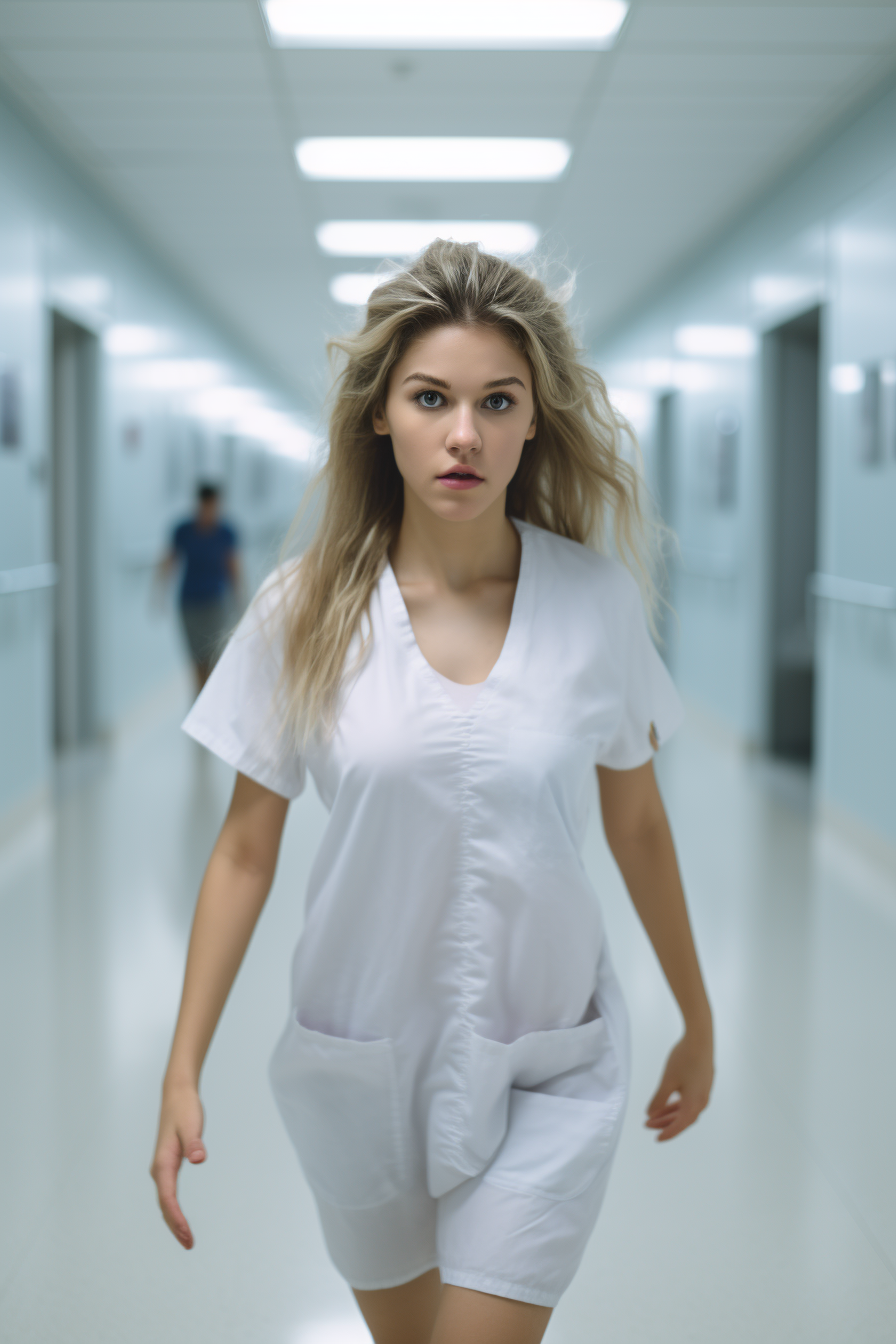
(685, 1102)
(190, 1136)
(660, 1100)
(164, 1174)
(677, 1126)
(662, 1119)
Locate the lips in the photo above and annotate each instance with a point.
(460, 474)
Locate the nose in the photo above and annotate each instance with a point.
(463, 436)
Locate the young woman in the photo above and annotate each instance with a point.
(450, 662)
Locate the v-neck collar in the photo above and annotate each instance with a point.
(519, 620)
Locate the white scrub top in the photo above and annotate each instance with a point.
(451, 983)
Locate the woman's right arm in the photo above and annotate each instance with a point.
(231, 897)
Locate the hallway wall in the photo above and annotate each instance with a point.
(827, 236)
(176, 399)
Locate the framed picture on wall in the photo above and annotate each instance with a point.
(888, 408)
(870, 443)
(10, 407)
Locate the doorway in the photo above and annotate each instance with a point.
(792, 369)
(74, 373)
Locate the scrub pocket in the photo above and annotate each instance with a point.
(339, 1102)
(557, 1117)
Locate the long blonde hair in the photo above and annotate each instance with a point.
(571, 477)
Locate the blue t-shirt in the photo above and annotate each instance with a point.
(206, 576)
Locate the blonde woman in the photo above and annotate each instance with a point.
(451, 661)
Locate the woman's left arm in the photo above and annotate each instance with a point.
(640, 841)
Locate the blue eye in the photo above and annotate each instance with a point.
(499, 397)
(423, 399)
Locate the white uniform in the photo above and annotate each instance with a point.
(454, 1070)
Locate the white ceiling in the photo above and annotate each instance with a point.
(182, 112)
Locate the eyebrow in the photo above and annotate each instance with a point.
(440, 382)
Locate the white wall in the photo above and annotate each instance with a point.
(62, 248)
(827, 235)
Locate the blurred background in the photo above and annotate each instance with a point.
(193, 195)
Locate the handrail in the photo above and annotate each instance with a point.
(28, 578)
(832, 588)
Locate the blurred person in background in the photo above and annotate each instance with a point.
(211, 585)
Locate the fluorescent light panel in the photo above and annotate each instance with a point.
(464, 24)
(403, 237)
(719, 342)
(369, 158)
(354, 287)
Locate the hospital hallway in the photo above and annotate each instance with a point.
(624, 273)
(770, 1220)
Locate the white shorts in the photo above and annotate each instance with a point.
(479, 1235)
(543, 1121)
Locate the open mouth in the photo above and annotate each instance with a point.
(460, 474)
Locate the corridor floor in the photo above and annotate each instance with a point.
(772, 1220)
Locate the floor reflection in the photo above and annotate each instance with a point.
(774, 1219)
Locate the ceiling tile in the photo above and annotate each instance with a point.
(732, 71)
(841, 27)
(453, 76)
(179, 137)
(180, 110)
(197, 71)
(73, 24)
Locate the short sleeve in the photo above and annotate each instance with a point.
(650, 708)
(237, 715)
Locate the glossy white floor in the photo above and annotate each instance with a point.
(774, 1219)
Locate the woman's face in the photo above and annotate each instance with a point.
(459, 409)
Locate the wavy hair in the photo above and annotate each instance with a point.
(574, 477)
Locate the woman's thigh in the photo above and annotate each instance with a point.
(404, 1315)
(466, 1316)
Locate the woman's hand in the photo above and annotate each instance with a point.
(684, 1090)
(180, 1136)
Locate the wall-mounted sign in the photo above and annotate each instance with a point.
(131, 435)
(727, 437)
(876, 431)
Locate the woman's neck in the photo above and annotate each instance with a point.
(455, 555)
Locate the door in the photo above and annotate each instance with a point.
(793, 421)
(74, 371)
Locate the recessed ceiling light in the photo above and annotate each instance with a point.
(471, 24)
(402, 237)
(126, 338)
(178, 374)
(369, 158)
(223, 403)
(354, 287)
(847, 378)
(723, 342)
